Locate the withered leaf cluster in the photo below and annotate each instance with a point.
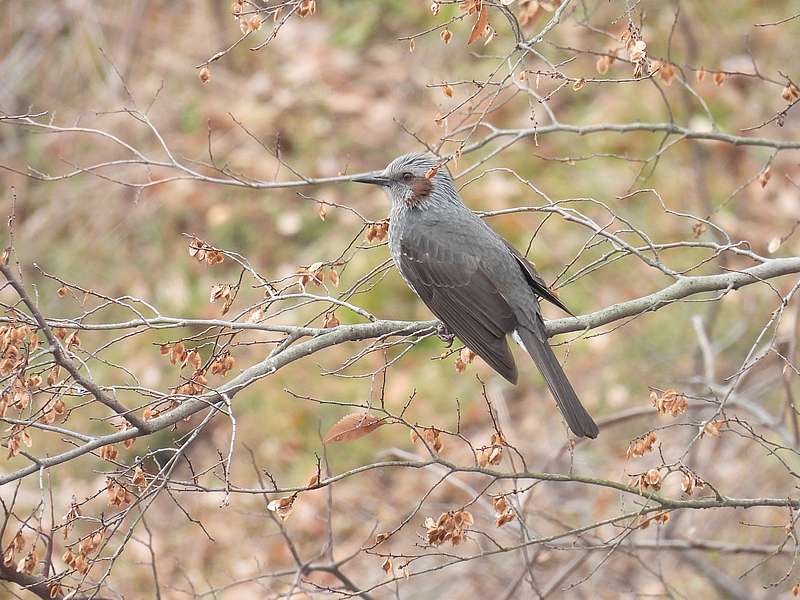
(316, 273)
(790, 93)
(195, 385)
(79, 559)
(109, 452)
(282, 506)
(637, 51)
(27, 563)
(118, 495)
(641, 445)
(450, 527)
(222, 291)
(16, 342)
(659, 518)
(690, 482)
(665, 70)
(671, 402)
(222, 364)
(493, 453)
(177, 353)
(377, 231)
(432, 436)
(504, 512)
(465, 357)
(16, 546)
(17, 436)
(139, 479)
(712, 428)
(202, 251)
(650, 480)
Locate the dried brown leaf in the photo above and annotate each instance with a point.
(479, 27)
(352, 427)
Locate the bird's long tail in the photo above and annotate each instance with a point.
(579, 421)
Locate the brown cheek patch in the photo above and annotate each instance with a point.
(420, 189)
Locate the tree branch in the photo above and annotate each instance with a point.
(65, 361)
(683, 288)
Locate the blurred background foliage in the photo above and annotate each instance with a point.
(333, 92)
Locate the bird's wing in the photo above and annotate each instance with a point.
(537, 283)
(455, 287)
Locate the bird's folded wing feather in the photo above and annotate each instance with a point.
(537, 283)
(456, 288)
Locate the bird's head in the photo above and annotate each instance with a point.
(414, 181)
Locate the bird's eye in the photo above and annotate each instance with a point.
(407, 176)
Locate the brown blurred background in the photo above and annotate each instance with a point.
(334, 91)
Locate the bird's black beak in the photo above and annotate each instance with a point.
(373, 179)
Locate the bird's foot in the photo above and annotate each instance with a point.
(444, 334)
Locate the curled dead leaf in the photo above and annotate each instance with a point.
(790, 92)
(282, 506)
(481, 22)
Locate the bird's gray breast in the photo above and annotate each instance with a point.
(461, 238)
(399, 223)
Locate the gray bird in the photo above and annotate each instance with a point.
(474, 281)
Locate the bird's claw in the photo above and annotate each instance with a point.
(444, 334)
